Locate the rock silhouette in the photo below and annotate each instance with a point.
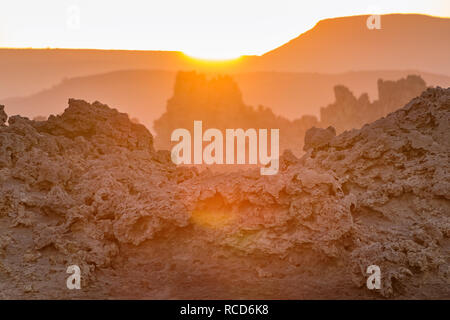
(218, 103)
(349, 112)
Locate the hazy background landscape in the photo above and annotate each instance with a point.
(293, 80)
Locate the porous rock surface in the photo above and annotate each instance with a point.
(3, 115)
(317, 137)
(397, 171)
(87, 188)
(72, 188)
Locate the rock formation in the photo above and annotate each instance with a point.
(3, 115)
(349, 112)
(218, 103)
(72, 188)
(88, 188)
(398, 173)
(317, 137)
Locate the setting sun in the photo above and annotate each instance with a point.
(212, 60)
(234, 28)
(212, 56)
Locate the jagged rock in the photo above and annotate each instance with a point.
(394, 94)
(317, 137)
(97, 121)
(389, 163)
(82, 183)
(348, 112)
(87, 188)
(3, 115)
(218, 103)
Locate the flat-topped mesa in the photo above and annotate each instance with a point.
(98, 122)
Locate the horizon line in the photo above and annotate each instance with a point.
(181, 52)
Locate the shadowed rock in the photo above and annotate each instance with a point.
(3, 115)
(317, 137)
(87, 188)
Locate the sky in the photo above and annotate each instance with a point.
(200, 28)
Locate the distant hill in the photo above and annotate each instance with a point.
(144, 93)
(338, 45)
(28, 71)
(405, 41)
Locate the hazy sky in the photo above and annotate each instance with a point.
(202, 28)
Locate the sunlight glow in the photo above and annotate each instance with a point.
(202, 29)
(212, 56)
(211, 218)
(213, 62)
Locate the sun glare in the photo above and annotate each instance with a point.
(212, 56)
(213, 62)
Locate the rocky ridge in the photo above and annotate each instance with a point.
(88, 188)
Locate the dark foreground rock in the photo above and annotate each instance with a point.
(87, 188)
